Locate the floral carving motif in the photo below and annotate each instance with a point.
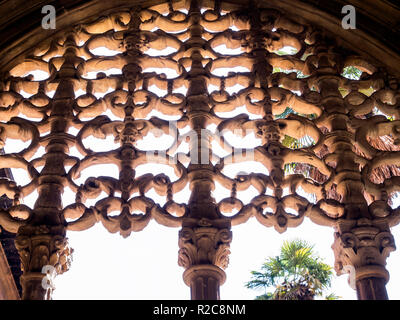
(365, 247)
(204, 245)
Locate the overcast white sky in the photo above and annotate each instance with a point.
(144, 266)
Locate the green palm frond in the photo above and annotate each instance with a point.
(332, 296)
(297, 273)
(290, 142)
(267, 296)
(285, 113)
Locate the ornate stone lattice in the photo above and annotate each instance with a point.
(328, 144)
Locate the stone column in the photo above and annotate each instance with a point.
(205, 235)
(204, 253)
(362, 240)
(42, 243)
(7, 241)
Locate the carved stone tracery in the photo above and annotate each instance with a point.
(345, 153)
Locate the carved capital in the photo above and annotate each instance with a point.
(44, 253)
(364, 247)
(204, 245)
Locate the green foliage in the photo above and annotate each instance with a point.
(352, 73)
(288, 111)
(332, 296)
(267, 296)
(290, 142)
(297, 274)
(343, 92)
(367, 92)
(289, 168)
(286, 50)
(285, 113)
(299, 74)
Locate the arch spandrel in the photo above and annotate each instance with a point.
(22, 31)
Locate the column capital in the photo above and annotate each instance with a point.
(204, 245)
(361, 248)
(204, 253)
(44, 253)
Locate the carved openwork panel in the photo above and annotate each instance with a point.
(207, 114)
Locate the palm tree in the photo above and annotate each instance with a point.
(297, 274)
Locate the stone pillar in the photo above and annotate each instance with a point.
(204, 253)
(372, 288)
(42, 242)
(362, 240)
(7, 239)
(205, 235)
(204, 281)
